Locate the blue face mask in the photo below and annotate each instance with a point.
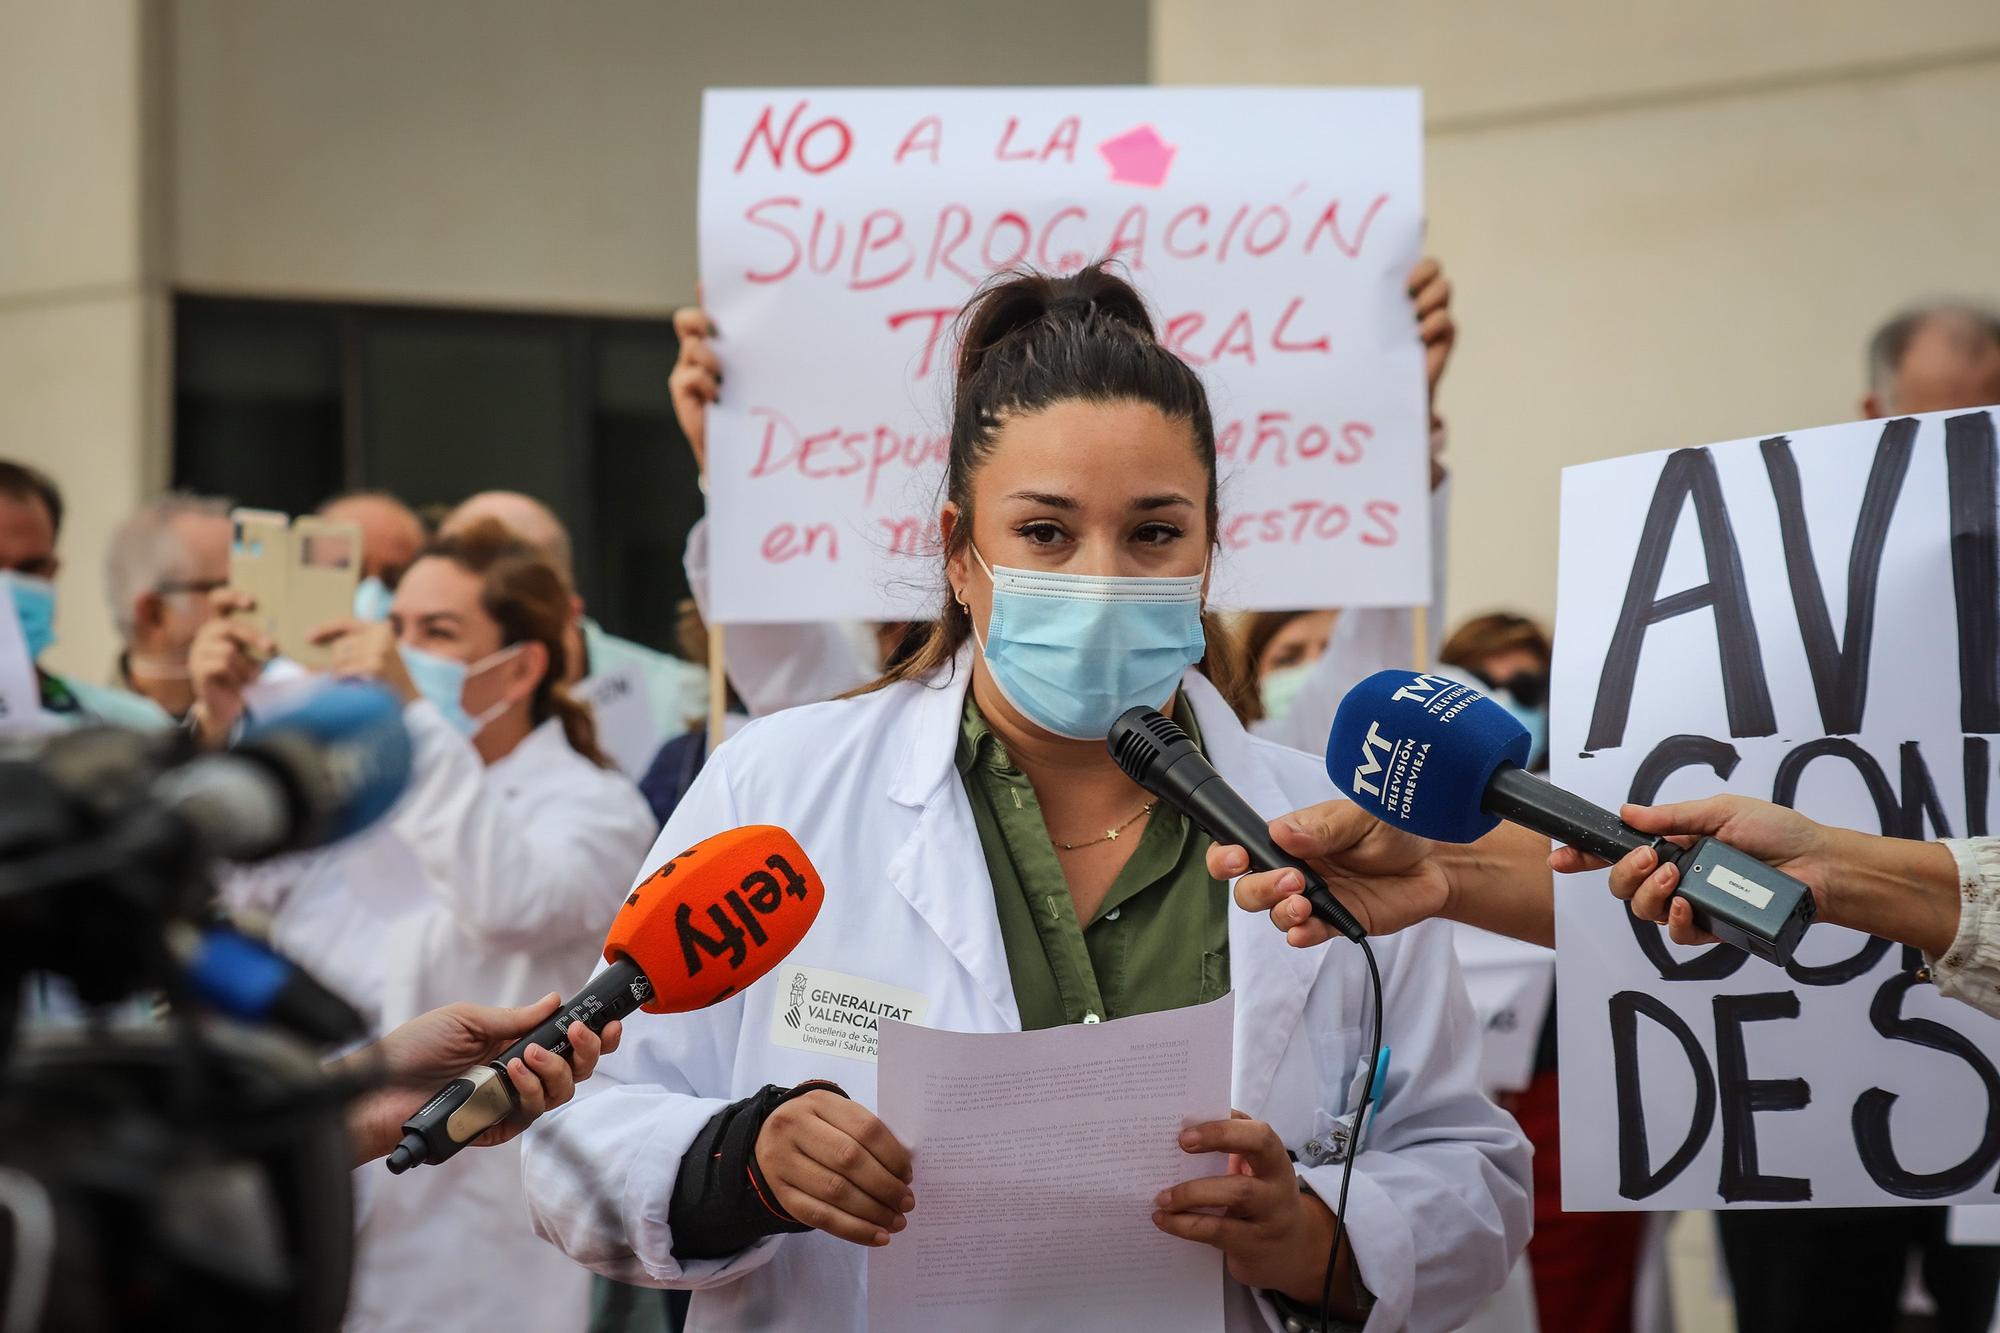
(441, 680)
(1073, 651)
(1535, 719)
(1281, 685)
(35, 608)
(372, 600)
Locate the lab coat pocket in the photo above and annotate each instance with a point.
(1338, 1053)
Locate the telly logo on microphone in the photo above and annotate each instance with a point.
(739, 917)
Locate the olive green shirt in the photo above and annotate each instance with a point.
(1160, 939)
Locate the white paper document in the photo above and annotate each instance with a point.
(1038, 1155)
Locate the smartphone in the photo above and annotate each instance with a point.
(326, 567)
(260, 560)
(301, 572)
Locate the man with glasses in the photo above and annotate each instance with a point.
(164, 562)
(31, 512)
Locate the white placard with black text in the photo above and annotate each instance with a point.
(1812, 618)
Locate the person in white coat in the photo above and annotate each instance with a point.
(780, 665)
(493, 881)
(984, 855)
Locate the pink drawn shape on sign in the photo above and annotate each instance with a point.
(1139, 157)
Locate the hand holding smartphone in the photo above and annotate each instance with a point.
(301, 573)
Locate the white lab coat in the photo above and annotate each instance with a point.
(782, 665)
(1365, 640)
(489, 884)
(1440, 1201)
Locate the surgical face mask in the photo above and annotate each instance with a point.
(35, 608)
(1281, 685)
(1073, 651)
(1525, 694)
(372, 599)
(1535, 717)
(442, 681)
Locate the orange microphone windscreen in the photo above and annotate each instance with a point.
(715, 918)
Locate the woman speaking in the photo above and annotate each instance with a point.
(982, 852)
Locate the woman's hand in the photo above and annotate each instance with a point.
(1901, 889)
(1273, 1235)
(442, 1044)
(226, 656)
(366, 650)
(1430, 297)
(836, 1168)
(1388, 878)
(1775, 835)
(696, 380)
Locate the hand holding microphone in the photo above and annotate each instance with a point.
(1437, 758)
(1155, 753)
(701, 928)
(437, 1045)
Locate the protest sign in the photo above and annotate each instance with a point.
(627, 731)
(1270, 230)
(1809, 618)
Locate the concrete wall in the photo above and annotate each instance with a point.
(514, 152)
(81, 334)
(1666, 226)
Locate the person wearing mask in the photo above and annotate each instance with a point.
(1508, 657)
(391, 537)
(1585, 1266)
(494, 879)
(774, 666)
(1582, 1278)
(991, 857)
(678, 690)
(164, 562)
(31, 514)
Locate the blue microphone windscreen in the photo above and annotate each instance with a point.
(1417, 751)
(357, 729)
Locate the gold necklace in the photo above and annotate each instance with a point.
(1110, 835)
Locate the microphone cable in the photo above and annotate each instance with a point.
(1354, 1141)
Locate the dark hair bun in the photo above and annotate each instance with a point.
(1011, 304)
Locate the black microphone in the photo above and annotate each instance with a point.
(482, 1097)
(251, 981)
(1434, 756)
(1159, 756)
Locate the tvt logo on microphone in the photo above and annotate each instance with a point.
(1391, 762)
